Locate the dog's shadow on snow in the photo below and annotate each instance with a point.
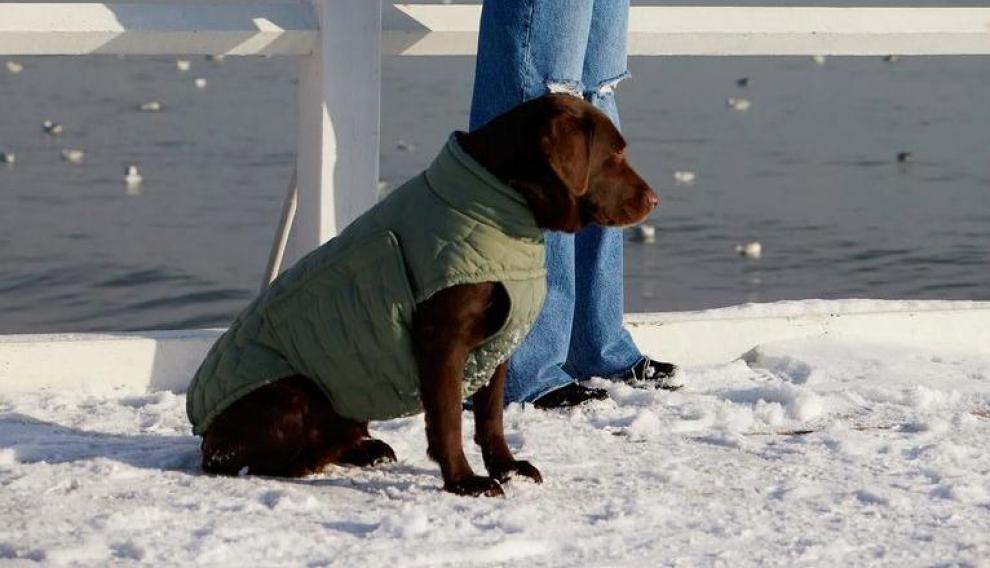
(388, 480)
(34, 440)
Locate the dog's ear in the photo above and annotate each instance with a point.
(566, 144)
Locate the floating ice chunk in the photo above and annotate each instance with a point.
(182, 65)
(685, 177)
(200, 82)
(14, 67)
(150, 106)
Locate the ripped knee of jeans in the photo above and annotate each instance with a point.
(560, 87)
(607, 87)
(578, 89)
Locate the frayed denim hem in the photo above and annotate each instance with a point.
(580, 90)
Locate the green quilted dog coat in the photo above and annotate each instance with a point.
(343, 314)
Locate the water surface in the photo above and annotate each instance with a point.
(809, 171)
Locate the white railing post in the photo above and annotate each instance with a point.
(339, 106)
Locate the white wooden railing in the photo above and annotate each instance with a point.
(340, 42)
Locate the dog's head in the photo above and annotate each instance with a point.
(568, 160)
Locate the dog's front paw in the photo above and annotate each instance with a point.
(503, 471)
(475, 486)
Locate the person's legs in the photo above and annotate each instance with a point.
(600, 346)
(527, 48)
(536, 367)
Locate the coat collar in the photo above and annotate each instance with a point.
(464, 184)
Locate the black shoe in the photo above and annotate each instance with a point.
(650, 373)
(569, 395)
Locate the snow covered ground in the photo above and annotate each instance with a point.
(823, 452)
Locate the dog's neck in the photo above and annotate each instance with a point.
(493, 157)
(508, 154)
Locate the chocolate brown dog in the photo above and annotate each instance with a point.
(568, 162)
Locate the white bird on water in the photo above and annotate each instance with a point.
(818, 59)
(684, 177)
(739, 104)
(645, 233)
(132, 176)
(73, 156)
(14, 67)
(182, 65)
(52, 128)
(750, 250)
(150, 106)
(200, 82)
(8, 158)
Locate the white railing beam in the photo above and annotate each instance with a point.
(701, 30)
(157, 28)
(245, 28)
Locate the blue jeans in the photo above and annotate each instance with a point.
(528, 48)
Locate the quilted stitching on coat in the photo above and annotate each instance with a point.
(343, 314)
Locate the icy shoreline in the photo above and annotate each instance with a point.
(118, 363)
(896, 469)
(796, 308)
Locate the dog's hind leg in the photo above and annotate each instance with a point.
(367, 452)
(287, 429)
(262, 433)
(345, 441)
(236, 457)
